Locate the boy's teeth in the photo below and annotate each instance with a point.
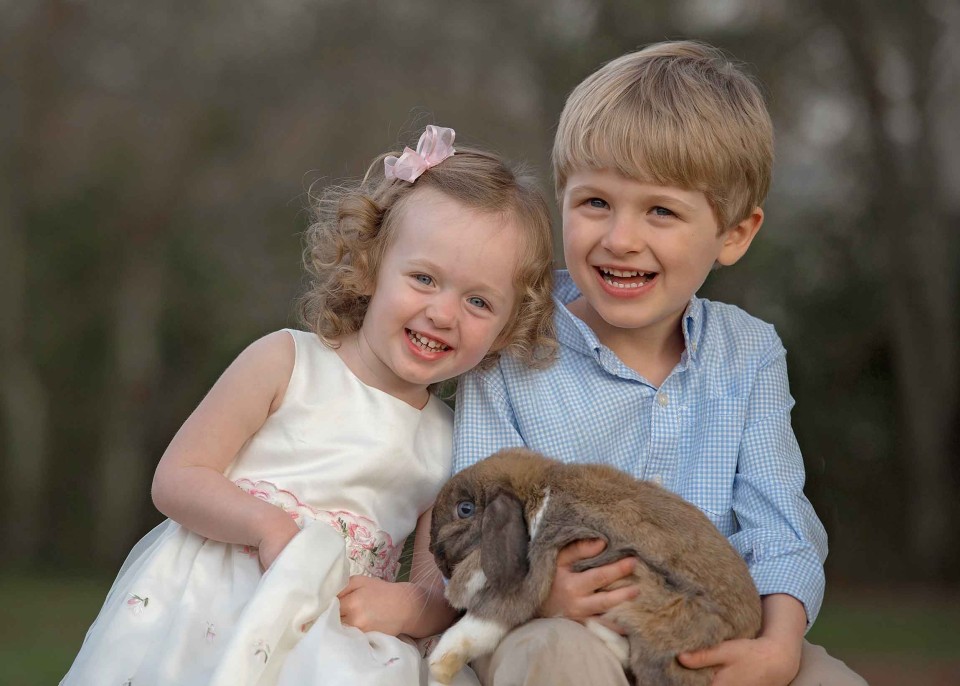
(610, 274)
(426, 343)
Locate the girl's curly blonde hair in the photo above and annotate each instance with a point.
(354, 223)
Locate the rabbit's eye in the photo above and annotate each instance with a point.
(465, 509)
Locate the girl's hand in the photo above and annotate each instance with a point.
(578, 595)
(376, 605)
(275, 540)
(762, 661)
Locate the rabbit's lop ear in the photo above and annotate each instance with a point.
(504, 539)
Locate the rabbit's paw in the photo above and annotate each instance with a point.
(469, 638)
(443, 667)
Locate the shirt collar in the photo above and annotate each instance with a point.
(573, 333)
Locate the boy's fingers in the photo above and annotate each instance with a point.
(580, 550)
(698, 659)
(604, 601)
(601, 577)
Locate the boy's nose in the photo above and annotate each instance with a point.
(623, 236)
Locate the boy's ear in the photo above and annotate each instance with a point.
(737, 239)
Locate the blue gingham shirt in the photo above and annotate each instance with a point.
(717, 430)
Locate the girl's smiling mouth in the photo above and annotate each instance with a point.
(425, 343)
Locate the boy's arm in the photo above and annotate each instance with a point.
(484, 421)
(780, 536)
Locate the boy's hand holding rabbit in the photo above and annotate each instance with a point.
(580, 595)
(771, 659)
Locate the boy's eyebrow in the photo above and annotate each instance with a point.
(671, 200)
(587, 188)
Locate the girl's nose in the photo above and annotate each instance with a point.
(623, 236)
(441, 312)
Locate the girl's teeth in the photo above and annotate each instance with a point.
(426, 343)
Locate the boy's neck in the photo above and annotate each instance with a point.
(652, 352)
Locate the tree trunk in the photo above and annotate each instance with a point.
(124, 466)
(919, 268)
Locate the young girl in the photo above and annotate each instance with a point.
(316, 454)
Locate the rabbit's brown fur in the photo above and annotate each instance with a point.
(695, 589)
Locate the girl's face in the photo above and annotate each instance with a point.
(444, 294)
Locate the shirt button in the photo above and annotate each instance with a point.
(662, 399)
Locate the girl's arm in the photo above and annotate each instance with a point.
(416, 608)
(189, 485)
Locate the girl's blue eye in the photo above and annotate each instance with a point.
(597, 202)
(662, 211)
(465, 509)
(424, 279)
(477, 302)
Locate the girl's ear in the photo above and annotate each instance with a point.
(503, 539)
(737, 239)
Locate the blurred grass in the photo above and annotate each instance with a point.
(918, 625)
(46, 617)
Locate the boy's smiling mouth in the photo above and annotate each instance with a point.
(625, 278)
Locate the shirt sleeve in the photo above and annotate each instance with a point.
(484, 422)
(780, 537)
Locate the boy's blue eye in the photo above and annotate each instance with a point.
(597, 202)
(662, 211)
(424, 279)
(477, 302)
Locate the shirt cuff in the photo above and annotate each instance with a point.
(797, 573)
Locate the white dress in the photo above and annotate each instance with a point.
(355, 467)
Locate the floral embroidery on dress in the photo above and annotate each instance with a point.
(137, 604)
(211, 632)
(371, 548)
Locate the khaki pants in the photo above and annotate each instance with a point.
(557, 652)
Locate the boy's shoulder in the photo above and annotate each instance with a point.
(727, 331)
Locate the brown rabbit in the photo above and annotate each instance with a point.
(497, 529)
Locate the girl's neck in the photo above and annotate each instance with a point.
(364, 364)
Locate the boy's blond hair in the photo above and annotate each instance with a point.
(674, 114)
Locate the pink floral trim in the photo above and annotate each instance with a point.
(368, 546)
(285, 500)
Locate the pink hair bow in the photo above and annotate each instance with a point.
(434, 146)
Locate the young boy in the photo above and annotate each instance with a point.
(662, 160)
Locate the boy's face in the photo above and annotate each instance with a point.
(639, 251)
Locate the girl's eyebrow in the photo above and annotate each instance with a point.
(488, 289)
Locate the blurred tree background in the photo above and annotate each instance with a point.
(155, 164)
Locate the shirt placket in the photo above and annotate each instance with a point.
(660, 468)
